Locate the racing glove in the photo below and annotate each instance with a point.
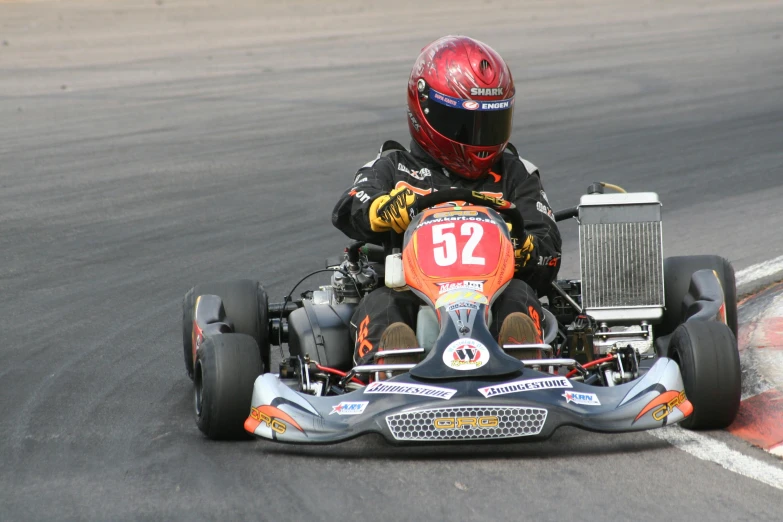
(522, 249)
(392, 211)
(523, 253)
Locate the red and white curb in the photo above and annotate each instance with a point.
(760, 418)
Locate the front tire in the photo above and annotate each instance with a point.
(677, 273)
(246, 305)
(226, 368)
(710, 366)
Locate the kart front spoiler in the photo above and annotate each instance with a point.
(531, 406)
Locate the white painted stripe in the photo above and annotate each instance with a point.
(705, 448)
(759, 271)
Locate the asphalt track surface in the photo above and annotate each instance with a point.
(145, 148)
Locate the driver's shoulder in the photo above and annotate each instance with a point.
(388, 151)
(513, 160)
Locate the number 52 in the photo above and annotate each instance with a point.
(446, 255)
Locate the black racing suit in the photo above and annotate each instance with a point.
(511, 178)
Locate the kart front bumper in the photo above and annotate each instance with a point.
(407, 411)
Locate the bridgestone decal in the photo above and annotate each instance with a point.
(546, 383)
(410, 389)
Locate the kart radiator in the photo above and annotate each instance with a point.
(621, 251)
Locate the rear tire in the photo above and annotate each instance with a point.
(677, 273)
(709, 362)
(246, 305)
(226, 367)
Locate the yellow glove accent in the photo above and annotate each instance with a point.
(392, 211)
(522, 255)
(377, 224)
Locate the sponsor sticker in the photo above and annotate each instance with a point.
(587, 399)
(452, 423)
(360, 195)
(414, 121)
(548, 260)
(461, 285)
(545, 383)
(665, 403)
(404, 388)
(274, 418)
(461, 295)
(545, 210)
(465, 354)
(496, 106)
(453, 213)
(463, 305)
(472, 105)
(420, 174)
(478, 91)
(350, 408)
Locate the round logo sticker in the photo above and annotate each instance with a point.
(465, 354)
(470, 105)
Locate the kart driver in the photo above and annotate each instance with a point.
(460, 108)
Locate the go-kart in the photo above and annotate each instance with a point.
(637, 343)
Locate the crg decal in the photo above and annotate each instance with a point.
(452, 423)
(665, 403)
(274, 418)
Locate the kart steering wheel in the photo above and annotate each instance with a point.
(504, 207)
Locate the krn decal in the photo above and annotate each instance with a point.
(349, 408)
(586, 399)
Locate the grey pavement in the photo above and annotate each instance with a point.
(147, 147)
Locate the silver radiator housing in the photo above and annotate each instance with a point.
(621, 257)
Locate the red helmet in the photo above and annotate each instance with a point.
(461, 104)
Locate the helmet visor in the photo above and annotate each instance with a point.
(470, 122)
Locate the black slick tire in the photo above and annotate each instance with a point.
(226, 367)
(246, 305)
(677, 273)
(709, 362)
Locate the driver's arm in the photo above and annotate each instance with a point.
(540, 260)
(351, 214)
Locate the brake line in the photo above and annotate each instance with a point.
(339, 373)
(589, 364)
